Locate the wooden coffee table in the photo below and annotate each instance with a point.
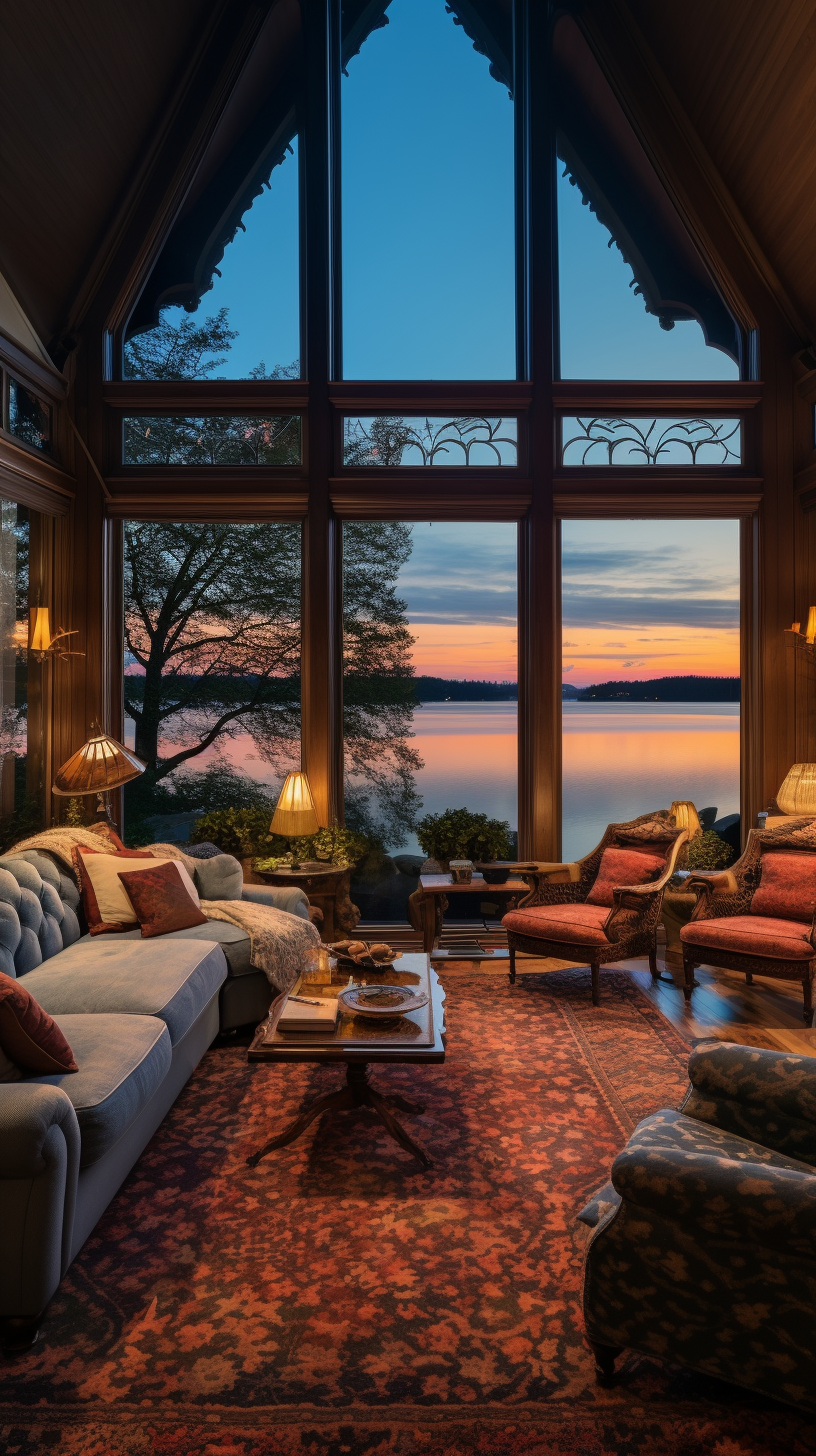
(432, 886)
(359, 1042)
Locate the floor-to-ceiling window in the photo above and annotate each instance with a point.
(430, 696)
(651, 672)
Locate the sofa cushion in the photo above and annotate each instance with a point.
(122, 1060)
(171, 979)
(162, 897)
(628, 866)
(787, 886)
(576, 924)
(104, 900)
(219, 878)
(28, 1035)
(234, 942)
(754, 935)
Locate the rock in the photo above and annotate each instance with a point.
(409, 864)
(728, 829)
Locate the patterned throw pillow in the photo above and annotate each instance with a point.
(28, 1035)
(161, 898)
(654, 831)
(787, 887)
(624, 867)
(104, 901)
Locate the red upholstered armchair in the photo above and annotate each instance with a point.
(760, 916)
(604, 908)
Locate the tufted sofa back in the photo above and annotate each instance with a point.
(38, 911)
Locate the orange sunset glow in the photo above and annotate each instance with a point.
(465, 650)
(600, 654)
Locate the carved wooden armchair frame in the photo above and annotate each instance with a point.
(724, 893)
(630, 927)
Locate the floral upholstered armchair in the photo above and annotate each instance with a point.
(605, 907)
(759, 916)
(704, 1243)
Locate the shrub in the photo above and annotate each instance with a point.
(709, 852)
(458, 834)
(335, 846)
(242, 832)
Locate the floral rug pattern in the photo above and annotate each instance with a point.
(341, 1299)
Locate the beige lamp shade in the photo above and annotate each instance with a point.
(798, 793)
(686, 817)
(101, 763)
(295, 814)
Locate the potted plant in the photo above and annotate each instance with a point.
(459, 834)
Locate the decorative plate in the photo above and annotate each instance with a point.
(381, 1000)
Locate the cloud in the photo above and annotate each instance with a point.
(571, 668)
(639, 662)
(570, 644)
(614, 644)
(627, 611)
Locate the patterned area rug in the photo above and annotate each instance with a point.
(339, 1299)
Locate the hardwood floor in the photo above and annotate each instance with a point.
(766, 1014)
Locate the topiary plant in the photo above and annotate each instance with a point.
(458, 834)
(709, 852)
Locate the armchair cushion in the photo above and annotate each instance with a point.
(787, 887)
(725, 1186)
(753, 935)
(758, 1094)
(576, 924)
(628, 866)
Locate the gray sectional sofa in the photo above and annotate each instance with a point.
(139, 1015)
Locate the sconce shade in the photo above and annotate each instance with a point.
(294, 814)
(798, 793)
(810, 630)
(686, 817)
(39, 629)
(99, 764)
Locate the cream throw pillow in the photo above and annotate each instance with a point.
(103, 871)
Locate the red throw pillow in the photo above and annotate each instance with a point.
(28, 1035)
(161, 900)
(105, 905)
(624, 867)
(787, 887)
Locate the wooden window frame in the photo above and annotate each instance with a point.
(537, 494)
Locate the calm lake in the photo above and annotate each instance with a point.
(619, 760)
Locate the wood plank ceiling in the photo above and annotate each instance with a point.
(84, 88)
(744, 71)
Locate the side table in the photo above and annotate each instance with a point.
(434, 886)
(327, 887)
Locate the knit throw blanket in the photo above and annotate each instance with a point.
(279, 942)
(60, 841)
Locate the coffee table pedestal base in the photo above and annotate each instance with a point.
(358, 1092)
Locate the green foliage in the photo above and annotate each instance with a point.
(75, 813)
(709, 852)
(242, 832)
(458, 834)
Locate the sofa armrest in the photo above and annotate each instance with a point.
(39, 1165)
(766, 1096)
(741, 1201)
(285, 897)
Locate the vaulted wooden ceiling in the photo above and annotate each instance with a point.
(86, 88)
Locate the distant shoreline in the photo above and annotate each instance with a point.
(680, 689)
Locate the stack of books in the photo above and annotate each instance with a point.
(309, 1013)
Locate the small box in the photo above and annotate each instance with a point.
(461, 871)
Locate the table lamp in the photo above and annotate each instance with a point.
(99, 765)
(294, 815)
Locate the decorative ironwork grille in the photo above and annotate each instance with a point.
(389, 440)
(212, 440)
(616, 441)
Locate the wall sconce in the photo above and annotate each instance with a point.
(40, 640)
